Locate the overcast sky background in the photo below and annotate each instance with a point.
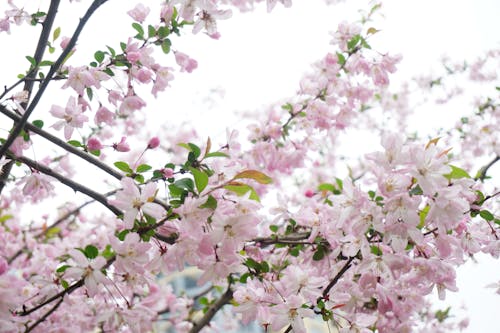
(260, 58)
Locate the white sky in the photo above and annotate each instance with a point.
(260, 59)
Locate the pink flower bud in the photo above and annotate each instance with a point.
(94, 144)
(122, 146)
(153, 143)
(309, 193)
(167, 173)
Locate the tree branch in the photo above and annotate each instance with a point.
(337, 277)
(482, 173)
(92, 160)
(68, 182)
(53, 69)
(45, 316)
(223, 300)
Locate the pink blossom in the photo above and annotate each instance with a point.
(80, 78)
(93, 144)
(153, 143)
(132, 253)
(133, 201)
(139, 12)
(72, 117)
(103, 115)
(89, 270)
(130, 104)
(187, 64)
(167, 172)
(163, 77)
(38, 186)
(121, 146)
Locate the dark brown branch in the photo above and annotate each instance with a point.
(53, 69)
(482, 173)
(80, 153)
(223, 300)
(337, 277)
(4, 174)
(289, 239)
(68, 182)
(45, 316)
(42, 45)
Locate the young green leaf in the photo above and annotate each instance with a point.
(200, 179)
(255, 175)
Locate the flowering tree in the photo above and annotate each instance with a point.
(359, 252)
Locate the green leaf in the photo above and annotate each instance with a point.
(416, 190)
(56, 33)
(75, 143)
(485, 214)
(143, 168)
(99, 56)
(376, 250)
(31, 60)
(216, 154)
(456, 173)
(139, 29)
(123, 166)
(46, 63)
(62, 269)
(108, 252)
(111, 51)
(52, 232)
(441, 315)
(241, 189)
(326, 187)
(139, 178)
(351, 44)
(255, 175)
(200, 179)
(185, 183)
(340, 59)
(274, 228)
(211, 203)
(422, 215)
(165, 46)
(319, 254)
(250, 263)
(96, 152)
(64, 284)
(121, 235)
(91, 251)
(38, 123)
(90, 93)
(163, 32)
(151, 31)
